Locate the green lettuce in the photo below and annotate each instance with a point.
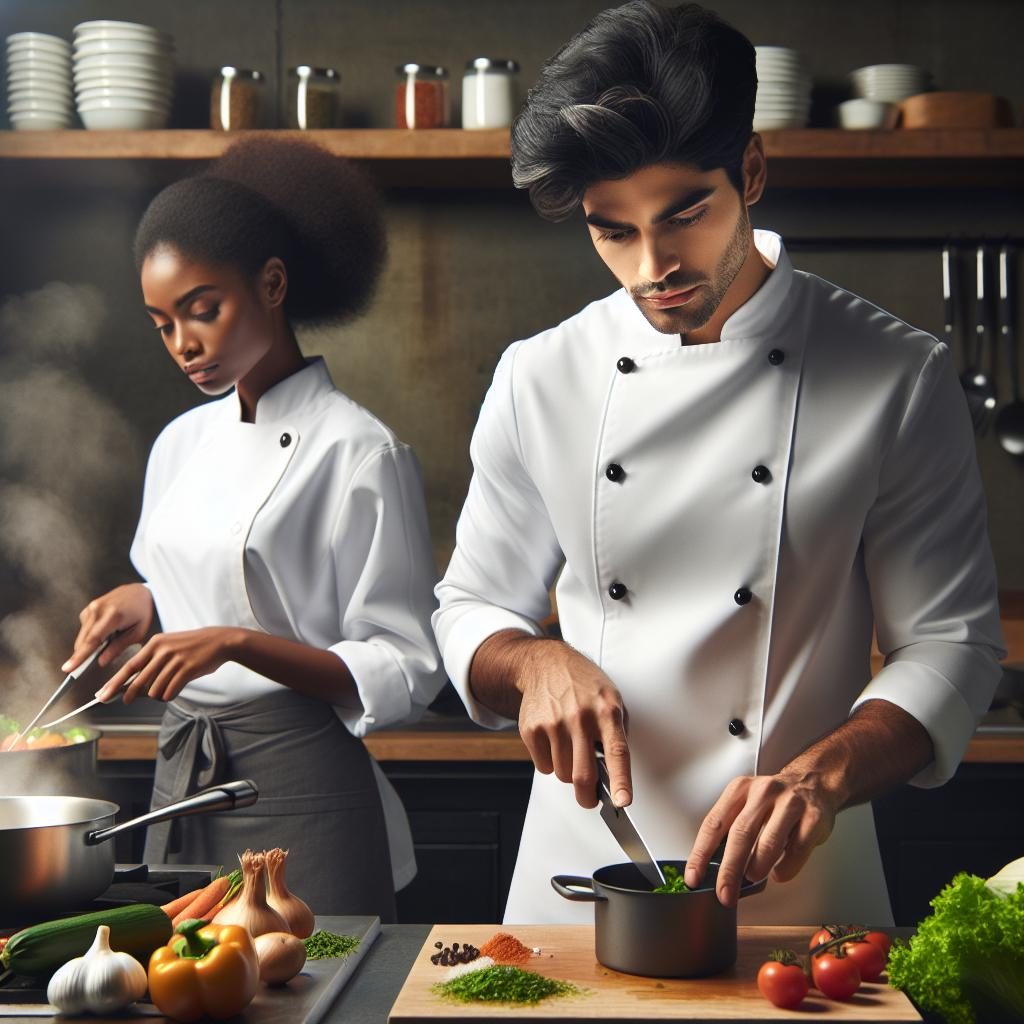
(8, 726)
(966, 960)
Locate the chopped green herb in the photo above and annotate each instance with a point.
(673, 880)
(323, 945)
(503, 984)
(8, 726)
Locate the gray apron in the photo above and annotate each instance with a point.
(318, 798)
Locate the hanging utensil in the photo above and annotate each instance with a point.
(1010, 418)
(621, 825)
(986, 336)
(952, 327)
(63, 688)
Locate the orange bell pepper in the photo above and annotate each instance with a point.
(205, 970)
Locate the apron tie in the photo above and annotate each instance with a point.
(199, 739)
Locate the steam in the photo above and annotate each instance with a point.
(65, 454)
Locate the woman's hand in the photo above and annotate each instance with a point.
(167, 662)
(126, 611)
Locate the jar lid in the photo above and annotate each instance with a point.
(421, 69)
(232, 72)
(492, 64)
(305, 71)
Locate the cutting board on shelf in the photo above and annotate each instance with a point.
(567, 953)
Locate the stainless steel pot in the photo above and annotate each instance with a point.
(69, 770)
(54, 851)
(657, 934)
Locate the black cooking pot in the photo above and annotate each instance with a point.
(657, 934)
(69, 770)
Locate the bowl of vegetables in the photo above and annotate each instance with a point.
(668, 932)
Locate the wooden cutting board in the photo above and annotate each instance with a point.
(567, 953)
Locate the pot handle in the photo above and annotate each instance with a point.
(225, 797)
(569, 886)
(750, 888)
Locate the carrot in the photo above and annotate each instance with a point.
(206, 901)
(176, 906)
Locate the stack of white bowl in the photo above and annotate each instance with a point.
(783, 90)
(39, 82)
(889, 83)
(124, 75)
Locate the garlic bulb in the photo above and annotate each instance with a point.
(249, 908)
(102, 981)
(286, 903)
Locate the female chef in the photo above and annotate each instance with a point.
(283, 538)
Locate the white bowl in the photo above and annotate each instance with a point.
(42, 79)
(38, 43)
(125, 61)
(774, 123)
(86, 92)
(40, 37)
(56, 99)
(139, 47)
(123, 102)
(117, 119)
(124, 35)
(861, 114)
(29, 106)
(113, 78)
(37, 61)
(88, 27)
(39, 122)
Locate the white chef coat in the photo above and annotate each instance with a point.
(748, 602)
(308, 524)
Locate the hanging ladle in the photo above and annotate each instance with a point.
(1010, 418)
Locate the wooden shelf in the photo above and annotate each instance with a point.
(810, 158)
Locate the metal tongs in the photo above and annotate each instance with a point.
(62, 689)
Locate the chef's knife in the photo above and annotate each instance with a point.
(63, 688)
(621, 825)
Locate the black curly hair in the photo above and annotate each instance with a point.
(268, 197)
(640, 85)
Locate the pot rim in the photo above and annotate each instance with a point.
(746, 888)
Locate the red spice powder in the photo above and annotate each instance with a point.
(505, 949)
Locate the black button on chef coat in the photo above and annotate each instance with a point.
(286, 439)
(614, 472)
(625, 365)
(742, 596)
(736, 727)
(761, 474)
(617, 591)
(776, 356)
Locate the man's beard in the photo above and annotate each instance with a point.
(690, 317)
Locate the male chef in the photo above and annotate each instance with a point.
(733, 470)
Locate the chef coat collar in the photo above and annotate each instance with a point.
(291, 395)
(765, 311)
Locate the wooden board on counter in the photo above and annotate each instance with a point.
(304, 1000)
(567, 953)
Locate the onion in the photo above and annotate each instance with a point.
(249, 908)
(1006, 880)
(287, 904)
(281, 956)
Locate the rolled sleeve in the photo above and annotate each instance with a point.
(506, 553)
(386, 574)
(931, 572)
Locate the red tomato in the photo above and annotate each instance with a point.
(869, 958)
(782, 984)
(834, 976)
(880, 939)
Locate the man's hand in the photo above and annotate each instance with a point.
(773, 823)
(565, 705)
(169, 661)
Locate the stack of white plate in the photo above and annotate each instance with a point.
(124, 75)
(889, 83)
(783, 90)
(39, 82)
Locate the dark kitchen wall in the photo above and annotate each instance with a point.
(469, 271)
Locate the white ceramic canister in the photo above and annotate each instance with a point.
(489, 93)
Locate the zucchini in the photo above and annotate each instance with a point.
(38, 950)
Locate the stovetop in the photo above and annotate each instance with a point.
(133, 883)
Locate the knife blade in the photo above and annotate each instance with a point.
(622, 827)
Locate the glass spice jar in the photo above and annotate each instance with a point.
(489, 93)
(312, 97)
(236, 99)
(421, 96)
